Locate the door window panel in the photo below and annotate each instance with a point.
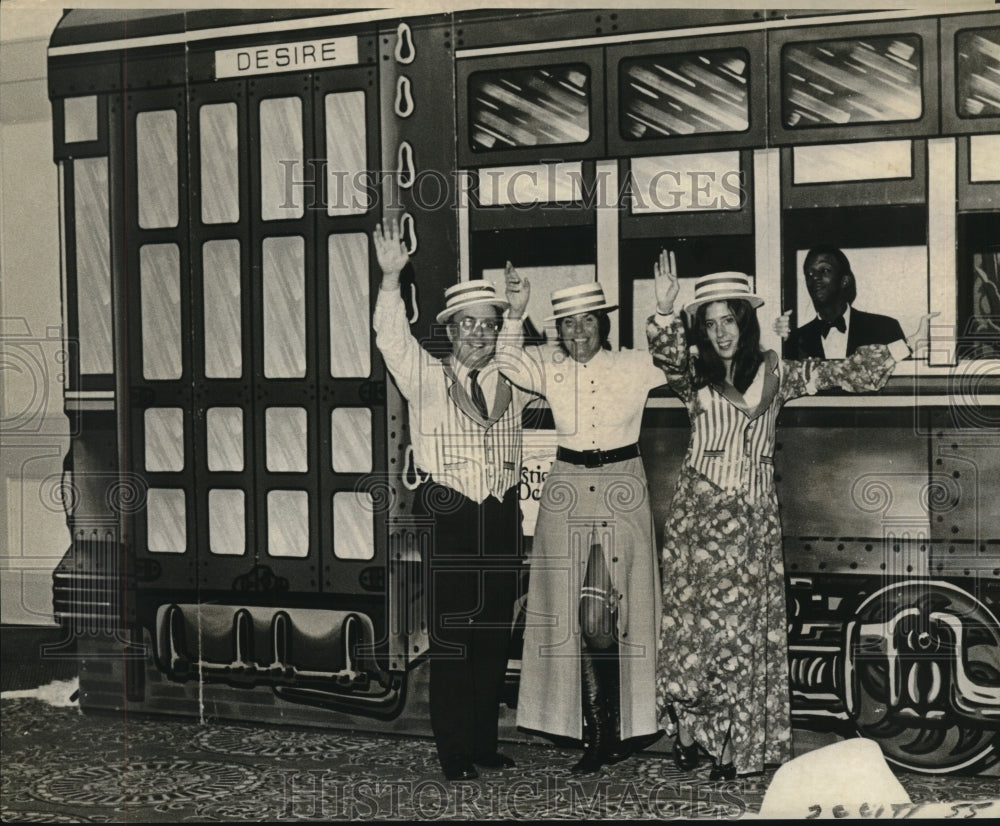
(160, 286)
(227, 522)
(164, 434)
(351, 439)
(156, 168)
(281, 159)
(220, 171)
(288, 523)
(284, 307)
(222, 293)
(93, 265)
(350, 312)
(286, 429)
(353, 529)
(345, 153)
(224, 426)
(166, 525)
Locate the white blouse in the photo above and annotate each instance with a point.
(597, 405)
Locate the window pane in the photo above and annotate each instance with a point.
(353, 529)
(351, 439)
(530, 184)
(977, 71)
(863, 80)
(93, 265)
(220, 171)
(984, 158)
(164, 432)
(166, 528)
(286, 429)
(226, 522)
(221, 280)
(345, 153)
(692, 93)
(529, 107)
(288, 523)
(852, 161)
(160, 285)
(281, 159)
(80, 115)
(156, 168)
(350, 314)
(224, 434)
(686, 183)
(284, 308)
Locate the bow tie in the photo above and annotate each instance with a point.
(838, 322)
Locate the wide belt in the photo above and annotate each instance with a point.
(597, 458)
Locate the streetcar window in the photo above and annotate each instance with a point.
(351, 439)
(977, 59)
(221, 298)
(220, 171)
(288, 523)
(284, 307)
(81, 119)
(286, 440)
(514, 108)
(164, 437)
(984, 158)
(160, 288)
(345, 153)
(353, 527)
(156, 168)
(686, 183)
(227, 522)
(224, 436)
(530, 184)
(93, 265)
(166, 521)
(856, 80)
(281, 159)
(691, 93)
(873, 160)
(350, 313)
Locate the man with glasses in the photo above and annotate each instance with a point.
(465, 428)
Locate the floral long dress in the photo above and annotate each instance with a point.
(722, 664)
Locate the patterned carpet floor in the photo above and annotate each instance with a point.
(61, 766)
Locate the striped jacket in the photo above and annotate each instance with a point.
(476, 456)
(733, 433)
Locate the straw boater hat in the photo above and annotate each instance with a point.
(583, 298)
(468, 294)
(720, 286)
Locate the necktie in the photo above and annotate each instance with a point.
(477, 394)
(838, 322)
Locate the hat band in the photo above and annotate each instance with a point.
(575, 307)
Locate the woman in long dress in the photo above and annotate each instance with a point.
(722, 677)
(593, 595)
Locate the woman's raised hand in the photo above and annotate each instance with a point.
(665, 278)
(921, 337)
(783, 325)
(390, 251)
(518, 291)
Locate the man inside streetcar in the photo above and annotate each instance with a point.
(838, 329)
(465, 428)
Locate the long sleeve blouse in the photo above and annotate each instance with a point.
(598, 404)
(733, 433)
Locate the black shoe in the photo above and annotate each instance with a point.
(685, 757)
(460, 771)
(595, 715)
(495, 761)
(726, 771)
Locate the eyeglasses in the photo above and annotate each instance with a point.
(470, 324)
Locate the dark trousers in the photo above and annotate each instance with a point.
(474, 566)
